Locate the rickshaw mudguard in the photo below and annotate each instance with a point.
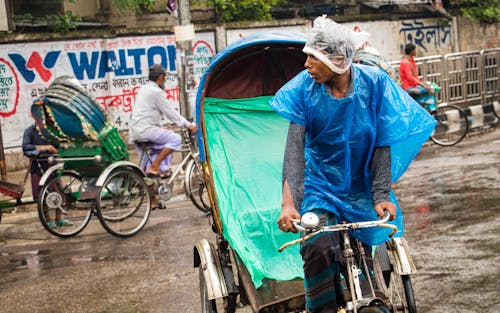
(51, 170)
(399, 252)
(126, 164)
(205, 257)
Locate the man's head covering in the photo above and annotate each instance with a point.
(333, 44)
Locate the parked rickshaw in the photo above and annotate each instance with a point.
(92, 173)
(242, 144)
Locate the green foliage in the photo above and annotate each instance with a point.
(135, 5)
(485, 11)
(63, 23)
(245, 10)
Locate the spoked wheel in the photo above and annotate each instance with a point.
(452, 125)
(226, 305)
(58, 209)
(401, 294)
(398, 288)
(123, 203)
(374, 309)
(195, 187)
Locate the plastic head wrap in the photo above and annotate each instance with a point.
(333, 44)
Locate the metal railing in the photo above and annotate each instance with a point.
(466, 78)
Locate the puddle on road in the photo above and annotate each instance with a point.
(454, 236)
(35, 262)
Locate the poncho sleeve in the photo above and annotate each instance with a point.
(402, 124)
(289, 101)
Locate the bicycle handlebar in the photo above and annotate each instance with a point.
(310, 223)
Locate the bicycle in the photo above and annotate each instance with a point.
(194, 184)
(390, 288)
(453, 123)
(495, 104)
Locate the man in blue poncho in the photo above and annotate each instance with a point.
(352, 130)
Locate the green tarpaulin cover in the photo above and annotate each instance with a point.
(246, 143)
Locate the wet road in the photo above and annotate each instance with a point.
(96, 272)
(450, 197)
(451, 200)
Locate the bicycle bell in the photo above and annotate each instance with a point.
(310, 220)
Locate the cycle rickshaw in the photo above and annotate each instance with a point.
(92, 173)
(242, 142)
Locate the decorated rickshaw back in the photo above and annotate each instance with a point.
(67, 116)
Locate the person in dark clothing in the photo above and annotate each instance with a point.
(33, 145)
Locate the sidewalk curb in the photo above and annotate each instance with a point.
(482, 114)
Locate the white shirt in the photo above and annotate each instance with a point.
(150, 106)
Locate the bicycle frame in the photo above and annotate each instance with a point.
(309, 224)
(186, 159)
(190, 164)
(145, 157)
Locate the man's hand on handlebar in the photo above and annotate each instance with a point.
(51, 149)
(383, 206)
(285, 222)
(192, 127)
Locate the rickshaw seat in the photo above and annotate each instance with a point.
(143, 144)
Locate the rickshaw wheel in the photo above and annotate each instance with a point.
(58, 209)
(374, 309)
(207, 306)
(210, 306)
(399, 287)
(195, 187)
(123, 203)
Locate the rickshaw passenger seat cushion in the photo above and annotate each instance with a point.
(246, 142)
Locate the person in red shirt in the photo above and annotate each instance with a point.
(409, 78)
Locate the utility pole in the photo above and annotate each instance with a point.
(186, 70)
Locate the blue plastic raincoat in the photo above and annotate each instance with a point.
(341, 135)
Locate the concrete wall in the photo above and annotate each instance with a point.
(432, 36)
(90, 9)
(4, 25)
(474, 36)
(110, 69)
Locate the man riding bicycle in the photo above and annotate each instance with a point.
(408, 73)
(145, 124)
(351, 130)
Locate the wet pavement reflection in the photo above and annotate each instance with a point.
(450, 198)
(451, 201)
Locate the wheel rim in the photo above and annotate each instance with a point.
(58, 209)
(207, 306)
(123, 203)
(195, 188)
(452, 125)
